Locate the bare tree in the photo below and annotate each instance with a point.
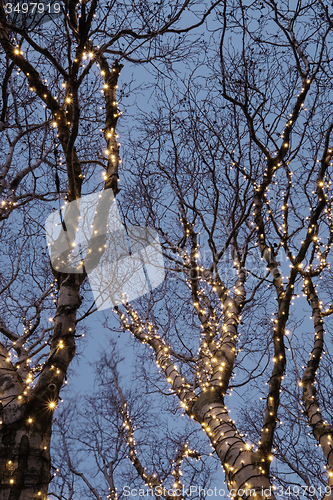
(51, 101)
(115, 442)
(233, 170)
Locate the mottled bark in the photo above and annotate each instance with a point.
(26, 414)
(246, 471)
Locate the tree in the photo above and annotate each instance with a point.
(62, 62)
(233, 170)
(113, 442)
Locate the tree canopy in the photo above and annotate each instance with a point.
(226, 162)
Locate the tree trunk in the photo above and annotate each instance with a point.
(247, 472)
(26, 416)
(25, 456)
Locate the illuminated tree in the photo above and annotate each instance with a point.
(232, 168)
(53, 102)
(114, 442)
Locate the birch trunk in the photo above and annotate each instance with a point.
(247, 472)
(26, 416)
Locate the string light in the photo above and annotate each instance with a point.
(217, 351)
